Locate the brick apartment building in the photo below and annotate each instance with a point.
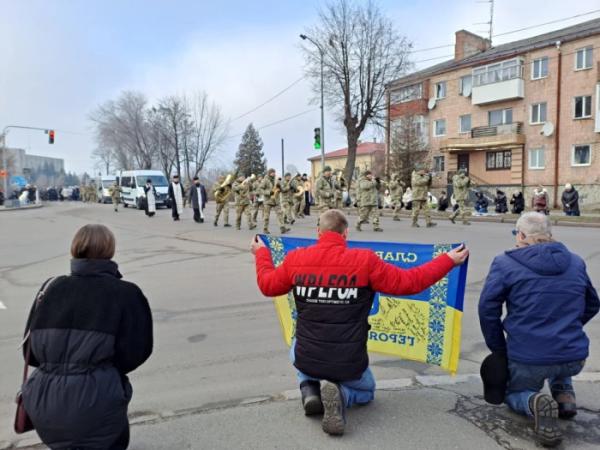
(516, 116)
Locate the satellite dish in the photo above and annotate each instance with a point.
(431, 103)
(467, 91)
(548, 129)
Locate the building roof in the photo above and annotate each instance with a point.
(579, 31)
(364, 148)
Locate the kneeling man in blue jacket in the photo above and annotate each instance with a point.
(549, 298)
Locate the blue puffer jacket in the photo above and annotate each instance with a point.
(549, 297)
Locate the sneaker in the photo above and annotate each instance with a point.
(545, 414)
(567, 403)
(334, 409)
(431, 225)
(311, 398)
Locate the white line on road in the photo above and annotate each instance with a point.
(2, 306)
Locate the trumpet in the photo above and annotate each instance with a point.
(249, 179)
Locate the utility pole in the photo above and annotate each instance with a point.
(282, 158)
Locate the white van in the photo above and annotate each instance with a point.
(132, 184)
(103, 184)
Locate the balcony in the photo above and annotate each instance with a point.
(484, 138)
(498, 82)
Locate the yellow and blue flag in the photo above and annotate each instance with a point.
(425, 327)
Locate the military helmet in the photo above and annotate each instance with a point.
(287, 174)
(326, 169)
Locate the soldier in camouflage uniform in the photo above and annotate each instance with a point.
(93, 194)
(287, 199)
(299, 201)
(396, 191)
(421, 181)
(326, 190)
(461, 184)
(222, 195)
(115, 194)
(242, 189)
(270, 187)
(258, 203)
(368, 189)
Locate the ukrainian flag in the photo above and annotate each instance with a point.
(425, 327)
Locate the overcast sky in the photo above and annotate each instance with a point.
(61, 58)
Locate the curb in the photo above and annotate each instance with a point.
(21, 208)
(398, 384)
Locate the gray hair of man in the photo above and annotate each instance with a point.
(535, 227)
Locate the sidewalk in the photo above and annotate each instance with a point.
(435, 412)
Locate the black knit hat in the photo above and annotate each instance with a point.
(494, 374)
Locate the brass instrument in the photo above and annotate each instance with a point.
(299, 191)
(249, 179)
(228, 181)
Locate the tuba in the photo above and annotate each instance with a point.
(250, 179)
(228, 181)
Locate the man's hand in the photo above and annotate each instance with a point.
(459, 254)
(256, 244)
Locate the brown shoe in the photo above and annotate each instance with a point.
(567, 403)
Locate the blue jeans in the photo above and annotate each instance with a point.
(526, 380)
(356, 392)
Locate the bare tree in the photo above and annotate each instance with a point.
(408, 146)
(104, 157)
(362, 52)
(122, 126)
(205, 132)
(174, 118)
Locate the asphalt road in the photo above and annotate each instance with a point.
(217, 339)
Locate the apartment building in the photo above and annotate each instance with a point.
(516, 116)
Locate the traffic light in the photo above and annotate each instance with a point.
(50, 136)
(317, 138)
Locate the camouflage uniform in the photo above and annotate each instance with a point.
(272, 201)
(421, 182)
(115, 194)
(299, 201)
(461, 184)
(340, 185)
(221, 195)
(367, 200)
(287, 198)
(242, 191)
(326, 191)
(396, 191)
(93, 193)
(258, 204)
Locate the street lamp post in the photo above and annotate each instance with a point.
(306, 38)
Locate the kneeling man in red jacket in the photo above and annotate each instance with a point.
(334, 287)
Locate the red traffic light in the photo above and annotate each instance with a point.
(50, 136)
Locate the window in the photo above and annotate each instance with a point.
(583, 58)
(582, 155)
(438, 164)
(539, 68)
(440, 90)
(464, 85)
(407, 94)
(498, 160)
(583, 107)
(464, 123)
(537, 158)
(439, 127)
(500, 117)
(497, 72)
(538, 113)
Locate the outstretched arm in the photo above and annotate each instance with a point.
(271, 281)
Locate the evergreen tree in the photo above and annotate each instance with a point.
(250, 158)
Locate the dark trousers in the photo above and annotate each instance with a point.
(174, 213)
(197, 217)
(306, 204)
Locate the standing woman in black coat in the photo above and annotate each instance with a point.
(89, 331)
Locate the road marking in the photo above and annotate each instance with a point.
(2, 306)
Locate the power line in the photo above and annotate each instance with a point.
(513, 31)
(276, 122)
(270, 99)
